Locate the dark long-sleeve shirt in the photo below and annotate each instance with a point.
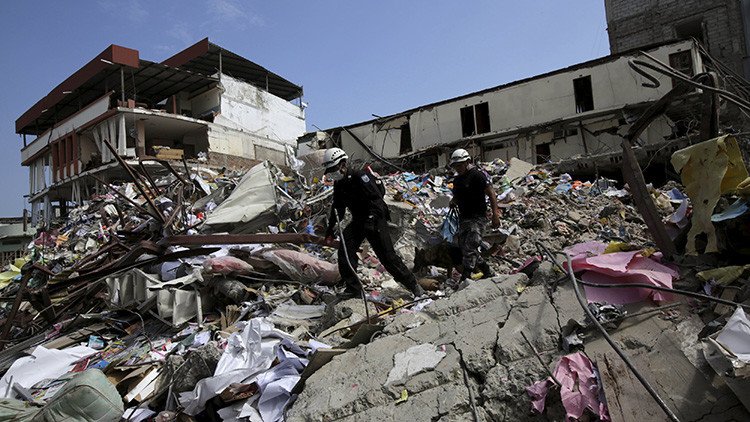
(362, 192)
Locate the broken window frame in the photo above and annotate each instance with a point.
(475, 119)
(681, 61)
(405, 141)
(583, 93)
(545, 155)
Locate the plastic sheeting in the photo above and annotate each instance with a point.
(253, 196)
(708, 170)
(42, 364)
(247, 358)
(735, 336)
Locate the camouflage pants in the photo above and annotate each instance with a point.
(469, 239)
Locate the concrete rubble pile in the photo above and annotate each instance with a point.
(205, 294)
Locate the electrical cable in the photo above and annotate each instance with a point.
(667, 289)
(371, 152)
(609, 340)
(616, 348)
(642, 285)
(666, 70)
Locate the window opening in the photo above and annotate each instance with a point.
(405, 139)
(543, 153)
(683, 62)
(690, 29)
(475, 119)
(584, 95)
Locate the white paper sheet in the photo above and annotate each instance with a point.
(137, 414)
(246, 355)
(735, 335)
(42, 364)
(275, 398)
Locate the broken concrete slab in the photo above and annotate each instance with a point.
(414, 360)
(679, 374)
(487, 358)
(467, 325)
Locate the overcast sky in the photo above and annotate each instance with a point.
(354, 58)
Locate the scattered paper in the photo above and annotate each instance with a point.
(735, 336)
(42, 364)
(404, 397)
(137, 414)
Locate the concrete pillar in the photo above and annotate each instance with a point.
(140, 138)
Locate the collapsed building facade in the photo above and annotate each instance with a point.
(574, 117)
(204, 103)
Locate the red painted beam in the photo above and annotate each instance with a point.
(115, 54)
(196, 50)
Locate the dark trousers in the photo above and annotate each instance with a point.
(376, 232)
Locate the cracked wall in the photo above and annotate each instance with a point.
(488, 363)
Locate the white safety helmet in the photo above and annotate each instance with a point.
(459, 156)
(333, 157)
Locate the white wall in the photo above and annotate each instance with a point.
(229, 141)
(250, 109)
(205, 102)
(87, 114)
(614, 85)
(543, 100)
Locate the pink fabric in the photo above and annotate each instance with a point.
(304, 267)
(227, 265)
(526, 263)
(621, 268)
(578, 253)
(592, 247)
(538, 393)
(579, 390)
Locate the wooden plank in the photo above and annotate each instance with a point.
(26, 271)
(627, 400)
(631, 172)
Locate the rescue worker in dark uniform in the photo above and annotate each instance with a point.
(471, 187)
(362, 192)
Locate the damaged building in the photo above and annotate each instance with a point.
(204, 104)
(182, 267)
(574, 116)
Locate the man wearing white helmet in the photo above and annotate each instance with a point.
(471, 187)
(362, 192)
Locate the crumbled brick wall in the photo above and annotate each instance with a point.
(634, 23)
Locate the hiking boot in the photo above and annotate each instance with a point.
(417, 290)
(486, 270)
